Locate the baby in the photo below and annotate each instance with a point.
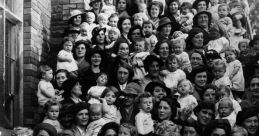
(95, 92)
(150, 38)
(219, 69)
(102, 20)
(223, 11)
(139, 18)
(90, 19)
(186, 15)
(97, 120)
(226, 111)
(144, 122)
(113, 35)
(108, 8)
(83, 32)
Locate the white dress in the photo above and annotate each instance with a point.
(238, 81)
(69, 66)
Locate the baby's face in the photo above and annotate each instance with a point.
(113, 21)
(224, 109)
(103, 21)
(138, 21)
(96, 112)
(243, 47)
(90, 18)
(147, 29)
(178, 48)
(102, 79)
(113, 36)
(83, 31)
(223, 11)
(140, 46)
(218, 71)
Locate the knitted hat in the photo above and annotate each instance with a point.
(246, 113)
(45, 126)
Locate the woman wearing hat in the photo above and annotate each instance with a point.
(80, 119)
(155, 9)
(74, 21)
(80, 50)
(164, 29)
(248, 118)
(152, 64)
(99, 39)
(89, 76)
(72, 91)
(201, 5)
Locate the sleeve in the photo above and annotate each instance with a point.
(139, 123)
(62, 53)
(45, 90)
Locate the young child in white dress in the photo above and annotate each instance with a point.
(220, 78)
(83, 33)
(90, 19)
(150, 38)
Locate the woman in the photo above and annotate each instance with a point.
(122, 8)
(248, 118)
(72, 91)
(99, 39)
(135, 33)
(96, 6)
(189, 129)
(76, 18)
(60, 77)
(124, 25)
(195, 40)
(200, 5)
(163, 49)
(81, 119)
(44, 129)
(209, 93)
(167, 110)
(152, 65)
(155, 10)
(173, 12)
(197, 59)
(109, 129)
(218, 127)
(251, 96)
(164, 29)
(80, 51)
(200, 78)
(89, 76)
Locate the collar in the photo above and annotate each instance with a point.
(122, 86)
(76, 100)
(82, 132)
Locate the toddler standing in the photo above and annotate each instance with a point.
(150, 39)
(65, 58)
(90, 19)
(144, 122)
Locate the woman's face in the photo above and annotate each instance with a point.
(204, 116)
(122, 75)
(189, 131)
(201, 6)
(110, 132)
(61, 77)
(122, 5)
(43, 133)
(82, 117)
(159, 93)
(123, 50)
(136, 34)
(80, 51)
(126, 25)
(173, 7)
(76, 90)
(154, 11)
(96, 59)
(77, 20)
(251, 125)
(196, 60)
(164, 50)
(197, 40)
(166, 30)
(164, 111)
(218, 132)
(153, 69)
(100, 37)
(209, 95)
(203, 20)
(200, 79)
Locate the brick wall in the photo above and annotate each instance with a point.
(37, 15)
(59, 16)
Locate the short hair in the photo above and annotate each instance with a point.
(231, 49)
(148, 22)
(218, 62)
(101, 16)
(67, 39)
(186, 5)
(159, 43)
(224, 4)
(179, 40)
(43, 69)
(50, 103)
(226, 100)
(143, 95)
(189, 82)
(110, 89)
(90, 13)
(62, 71)
(116, 30)
(246, 41)
(172, 57)
(240, 130)
(113, 16)
(133, 130)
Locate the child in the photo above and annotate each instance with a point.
(90, 19)
(178, 50)
(97, 120)
(239, 131)
(235, 72)
(226, 111)
(111, 112)
(46, 90)
(108, 8)
(113, 20)
(113, 35)
(138, 58)
(214, 8)
(187, 101)
(138, 19)
(223, 11)
(102, 20)
(217, 42)
(95, 92)
(83, 33)
(52, 108)
(173, 74)
(127, 130)
(150, 38)
(219, 69)
(65, 58)
(142, 8)
(144, 122)
(237, 9)
(186, 15)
